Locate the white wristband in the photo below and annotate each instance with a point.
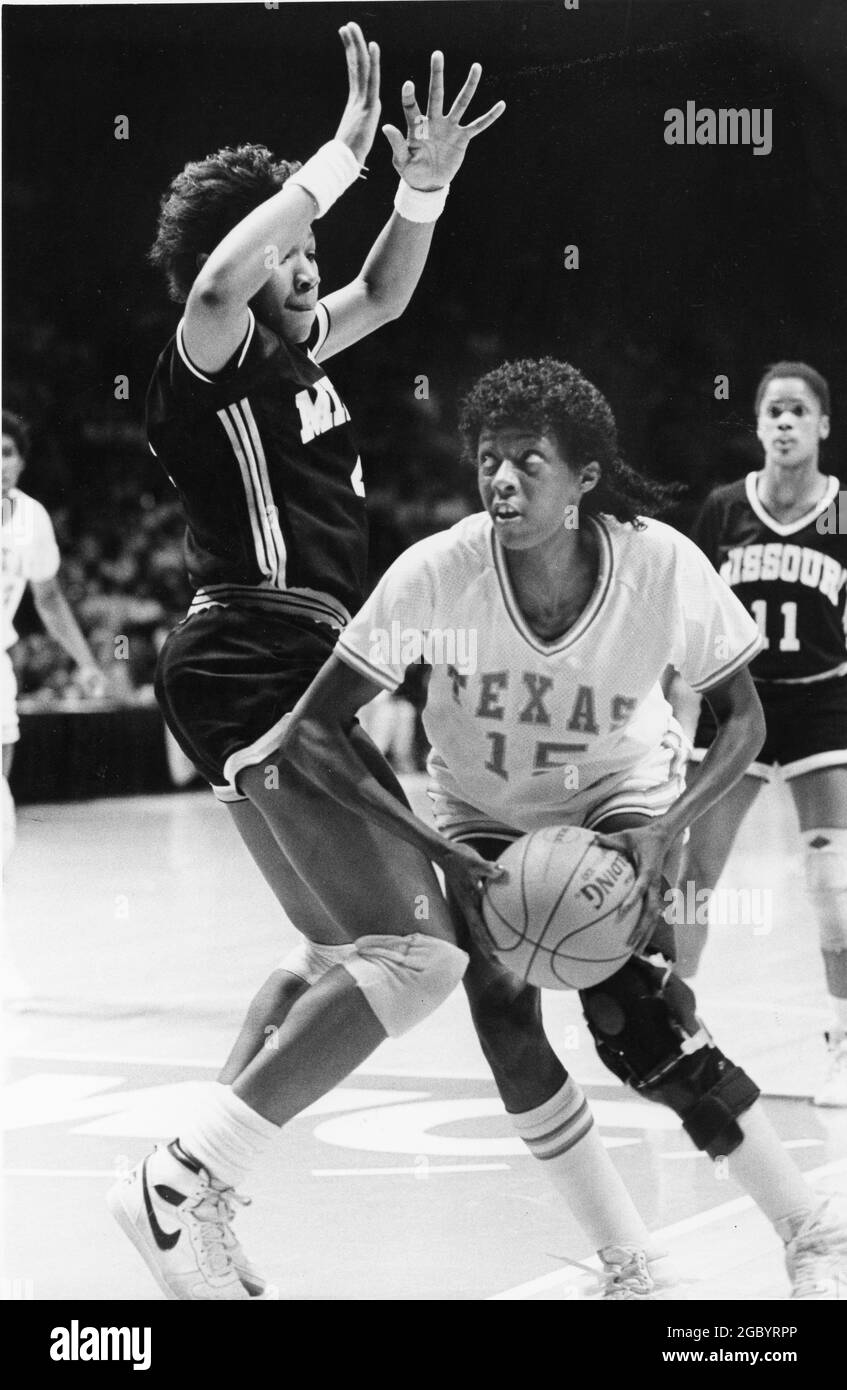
(416, 206)
(328, 174)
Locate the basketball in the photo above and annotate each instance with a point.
(554, 922)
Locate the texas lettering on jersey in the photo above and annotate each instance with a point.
(487, 698)
(533, 727)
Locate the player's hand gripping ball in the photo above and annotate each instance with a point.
(555, 921)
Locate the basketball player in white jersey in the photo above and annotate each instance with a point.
(779, 539)
(548, 621)
(31, 556)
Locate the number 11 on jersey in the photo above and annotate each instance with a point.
(788, 641)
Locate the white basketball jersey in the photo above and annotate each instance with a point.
(29, 552)
(520, 726)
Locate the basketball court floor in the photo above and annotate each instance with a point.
(138, 929)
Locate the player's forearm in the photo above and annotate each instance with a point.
(61, 624)
(740, 735)
(240, 264)
(325, 754)
(396, 261)
(684, 702)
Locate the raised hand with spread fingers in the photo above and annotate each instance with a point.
(431, 152)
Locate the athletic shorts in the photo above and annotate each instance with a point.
(648, 789)
(226, 680)
(806, 728)
(9, 698)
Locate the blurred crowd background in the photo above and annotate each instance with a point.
(693, 262)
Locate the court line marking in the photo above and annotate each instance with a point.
(60, 1173)
(786, 1144)
(386, 1072)
(737, 1005)
(423, 1170)
(690, 1223)
(219, 1006)
(113, 1060)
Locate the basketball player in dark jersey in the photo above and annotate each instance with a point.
(259, 445)
(778, 540)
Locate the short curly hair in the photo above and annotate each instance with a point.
(205, 201)
(817, 384)
(545, 395)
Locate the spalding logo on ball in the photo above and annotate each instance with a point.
(555, 921)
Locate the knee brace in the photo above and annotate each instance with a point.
(826, 880)
(646, 1031)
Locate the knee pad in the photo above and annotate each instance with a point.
(405, 978)
(310, 960)
(826, 880)
(646, 1032)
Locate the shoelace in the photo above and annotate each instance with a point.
(214, 1209)
(632, 1277)
(814, 1246)
(602, 1280)
(808, 1277)
(821, 1243)
(827, 1229)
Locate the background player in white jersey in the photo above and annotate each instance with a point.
(779, 539)
(30, 556)
(562, 608)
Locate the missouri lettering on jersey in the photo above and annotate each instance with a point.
(265, 464)
(29, 553)
(791, 578)
(519, 726)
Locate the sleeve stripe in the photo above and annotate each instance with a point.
(364, 667)
(320, 328)
(186, 359)
(328, 328)
(731, 667)
(242, 350)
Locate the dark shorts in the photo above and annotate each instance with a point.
(807, 728)
(225, 680)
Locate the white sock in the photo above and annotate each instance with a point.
(226, 1136)
(771, 1177)
(562, 1135)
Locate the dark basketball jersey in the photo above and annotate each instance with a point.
(792, 578)
(264, 460)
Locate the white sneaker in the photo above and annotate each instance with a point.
(816, 1258)
(834, 1088)
(178, 1218)
(626, 1274)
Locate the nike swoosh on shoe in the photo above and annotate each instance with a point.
(165, 1240)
